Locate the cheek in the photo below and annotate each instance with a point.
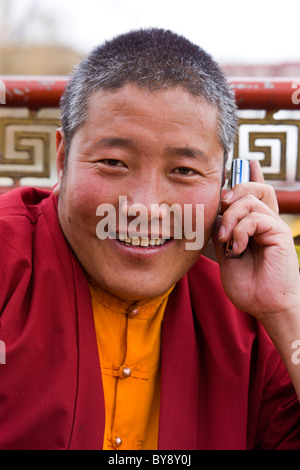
(83, 199)
(211, 209)
(205, 206)
(81, 208)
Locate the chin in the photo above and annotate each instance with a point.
(135, 293)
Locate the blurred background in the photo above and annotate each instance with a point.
(257, 38)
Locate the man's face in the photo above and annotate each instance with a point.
(157, 147)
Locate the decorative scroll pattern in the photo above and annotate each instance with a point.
(28, 153)
(274, 140)
(27, 147)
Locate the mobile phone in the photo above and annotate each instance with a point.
(240, 173)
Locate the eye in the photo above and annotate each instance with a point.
(112, 162)
(184, 171)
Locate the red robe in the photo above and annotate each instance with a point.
(223, 384)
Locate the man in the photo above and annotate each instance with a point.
(126, 338)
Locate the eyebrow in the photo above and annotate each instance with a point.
(178, 151)
(114, 142)
(188, 152)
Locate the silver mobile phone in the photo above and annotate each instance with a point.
(240, 173)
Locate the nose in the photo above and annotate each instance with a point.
(154, 211)
(145, 207)
(146, 203)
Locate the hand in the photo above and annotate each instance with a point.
(265, 280)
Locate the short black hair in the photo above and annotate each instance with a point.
(153, 58)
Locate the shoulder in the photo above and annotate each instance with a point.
(23, 202)
(20, 211)
(31, 241)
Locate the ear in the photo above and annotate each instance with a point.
(225, 167)
(60, 159)
(223, 176)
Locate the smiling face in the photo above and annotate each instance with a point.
(157, 147)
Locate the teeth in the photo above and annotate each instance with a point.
(142, 241)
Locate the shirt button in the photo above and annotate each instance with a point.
(126, 372)
(133, 313)
(118, 441)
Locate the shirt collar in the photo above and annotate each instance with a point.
(146, 308)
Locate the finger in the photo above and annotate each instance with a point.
(238, 210)
(263, 192)
(261, 228)
(256, 173)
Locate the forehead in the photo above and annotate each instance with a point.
(151, 120)
(173, 105)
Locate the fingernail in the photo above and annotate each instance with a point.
(228, 196)
(222, 231)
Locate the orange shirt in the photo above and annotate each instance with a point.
(128, 338)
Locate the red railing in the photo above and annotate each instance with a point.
(266, 94)
(37, 92)
(33, 92)
(271, 94)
